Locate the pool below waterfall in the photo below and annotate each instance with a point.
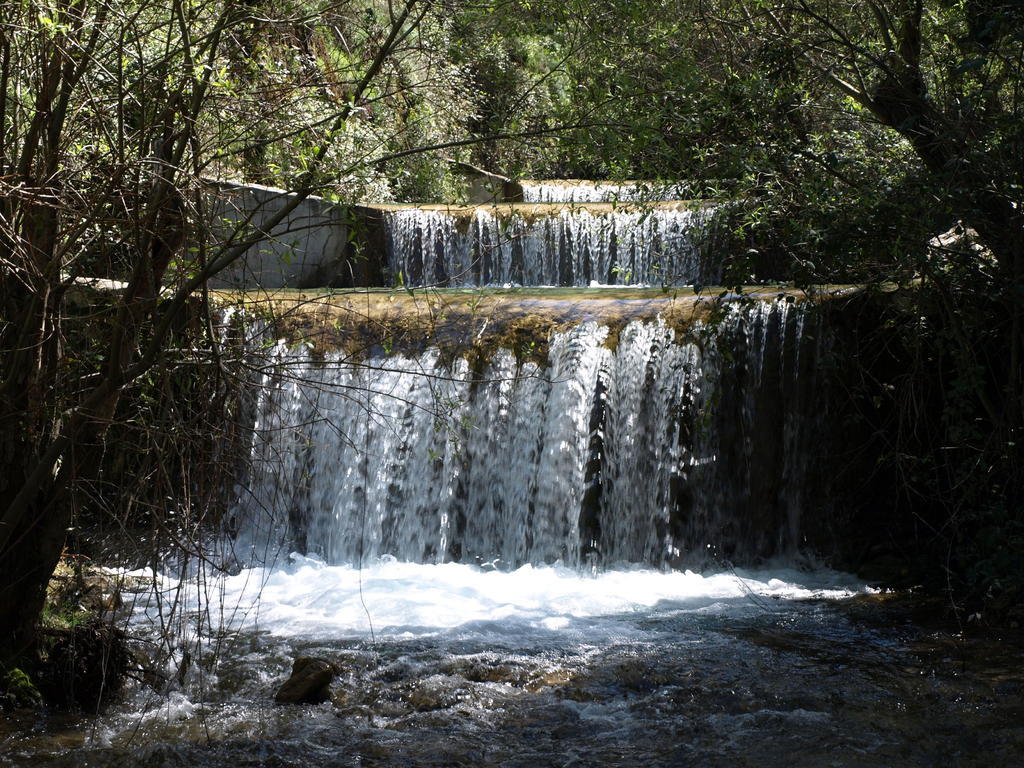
(459, 665)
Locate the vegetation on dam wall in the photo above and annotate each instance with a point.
(461, 323)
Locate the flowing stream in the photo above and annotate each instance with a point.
(547, 666)
(574, 246)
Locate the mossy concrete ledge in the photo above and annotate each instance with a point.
(472, 323)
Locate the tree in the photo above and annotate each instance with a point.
(849, 134)
(110, 115)
(945, 77)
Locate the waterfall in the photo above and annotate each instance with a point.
(560, 191)
(571, 247)
(663, 451)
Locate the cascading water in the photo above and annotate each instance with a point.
(573, 247)
(660, 452)
(559, 191)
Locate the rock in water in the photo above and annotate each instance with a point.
(309, 684)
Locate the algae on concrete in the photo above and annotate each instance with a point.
(472, 323)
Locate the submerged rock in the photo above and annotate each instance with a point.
(309, 683)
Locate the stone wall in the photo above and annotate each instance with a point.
(310, 248)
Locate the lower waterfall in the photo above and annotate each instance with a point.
(663, 451)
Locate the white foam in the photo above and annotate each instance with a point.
(311, 599)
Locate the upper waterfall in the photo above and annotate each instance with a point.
(568, 191)
(565, 245)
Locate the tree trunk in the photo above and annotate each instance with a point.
(37, 484)
(25, 568)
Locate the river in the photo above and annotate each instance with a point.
(546, 666)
